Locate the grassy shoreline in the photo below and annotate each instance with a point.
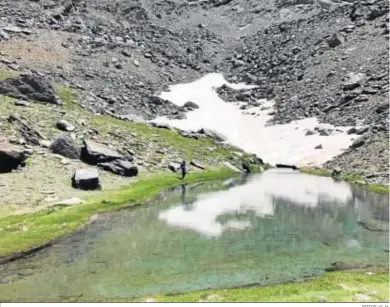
(343, 286)
(21, 233)
(351, 178)
(355, 285)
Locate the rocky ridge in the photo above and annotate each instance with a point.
(319, 58)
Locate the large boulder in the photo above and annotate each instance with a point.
(86, 179)
(213, 134)
(65, 146)
(94, 153)
(11, 156)
(29, 87)
(120, 167)
(354, 80)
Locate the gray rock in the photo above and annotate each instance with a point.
(219, 137)
(13, 29)
(318, 146)
(65, 126)
(65, 146)
(29, 87)
(132, 118)
(376, 12)
(94, 153)
(324, 132)
(126, 53)
(335, 40)
(354, 81)
(360, 141)
(86, 179)
(21, 103)
(326, 4)
(310, 132)
(44, 143)
(120, 167)
(352, 130)
(161, 126)
(191, 105)
(11, 156)
(362, 130)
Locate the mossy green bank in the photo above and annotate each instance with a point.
(352, 178)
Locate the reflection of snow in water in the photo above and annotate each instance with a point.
(275, 144)
(257, 195)
(354, 244)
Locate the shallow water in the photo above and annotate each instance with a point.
(273, 227)
(274, 144)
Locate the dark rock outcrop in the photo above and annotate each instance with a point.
(120, 167)
(86, 179)
(108, 159)
(29, 87)
(219, 137)
(94, 153)
(11, 156)
(65, 146)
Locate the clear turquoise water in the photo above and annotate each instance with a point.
(274, 227)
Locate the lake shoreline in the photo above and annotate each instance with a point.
(351, 178)
(17, 252)
(134, 195)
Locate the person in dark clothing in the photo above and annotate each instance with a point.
(183, 169)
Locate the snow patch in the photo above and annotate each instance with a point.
(249, 130)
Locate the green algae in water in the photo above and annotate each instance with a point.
(274, 227)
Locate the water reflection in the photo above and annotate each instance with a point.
(264, 194)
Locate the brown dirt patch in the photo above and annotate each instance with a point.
(41, 49)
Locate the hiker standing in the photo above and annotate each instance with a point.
(183, 169)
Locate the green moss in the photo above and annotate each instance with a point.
(378, 188)
(66, 95)
(352, 178)
(22, 232)
(330, 287)
(28, 161)
(8, 73)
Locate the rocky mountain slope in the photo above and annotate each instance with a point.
(324, 58)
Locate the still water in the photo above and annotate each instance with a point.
(274, 227)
